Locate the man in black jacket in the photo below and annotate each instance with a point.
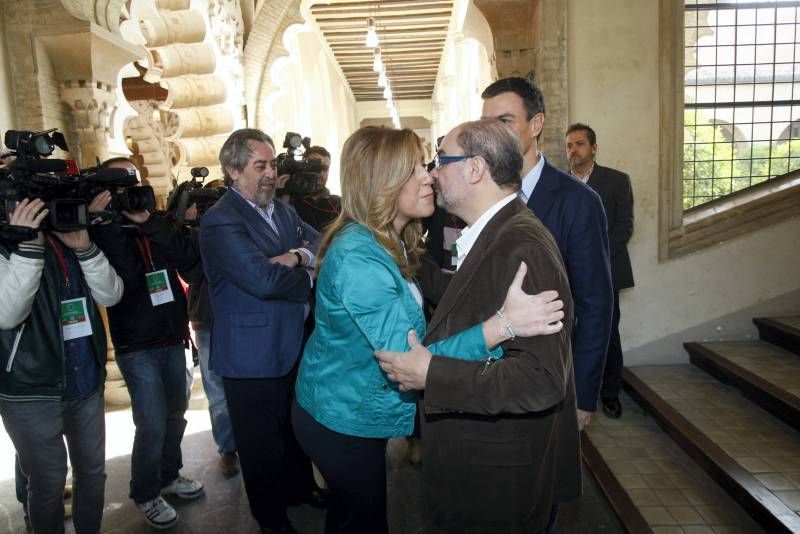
(52, 366)
(149, 328)
(614, 188)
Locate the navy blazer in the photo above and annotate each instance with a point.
(574, 214)
(258, 306)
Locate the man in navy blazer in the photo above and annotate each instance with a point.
(574, 214)
(614, 188)
(257, 255)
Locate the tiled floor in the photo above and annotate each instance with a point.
(224, 507)
(766, 447)
(673, 494)
(777, 366)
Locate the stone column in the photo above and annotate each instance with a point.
(86, 62)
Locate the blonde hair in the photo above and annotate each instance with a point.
(376, 163)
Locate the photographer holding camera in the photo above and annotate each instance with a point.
(149, 328)
(53, 355)
(319, 208)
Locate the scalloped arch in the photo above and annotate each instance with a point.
(264, 46)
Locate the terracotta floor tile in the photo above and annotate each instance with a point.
(671, 498)
(643, 497)
(686, 515)
(656, 515)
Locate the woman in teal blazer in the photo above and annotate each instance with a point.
(367, 299)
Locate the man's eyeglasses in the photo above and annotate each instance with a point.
(439, 161)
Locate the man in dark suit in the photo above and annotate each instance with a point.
(573, 213)
(500, 443)
(257, 265)
(614, 188)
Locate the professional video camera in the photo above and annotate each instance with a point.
(303, 172)
(193, 192)
(61, 185)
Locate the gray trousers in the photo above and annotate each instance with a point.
(38, 429)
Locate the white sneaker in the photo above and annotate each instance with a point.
(183, 487)
(158, 513)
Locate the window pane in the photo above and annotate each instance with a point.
(750, 56)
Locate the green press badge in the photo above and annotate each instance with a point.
(75, 319)
(158, 287)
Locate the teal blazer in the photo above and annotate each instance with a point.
(364, 304)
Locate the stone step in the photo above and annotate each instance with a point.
(651, 483)
(116, 395)
(781, 331)
(766, 374)
(754, 456)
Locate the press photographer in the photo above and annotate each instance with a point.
(53, 351)
(302, 179)
(64, 188)
(319, 208)
(149, 328)
(191, 199)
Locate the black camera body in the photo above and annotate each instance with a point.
(64, 189)
(193, 192)
(303, 172)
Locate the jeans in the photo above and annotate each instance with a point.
(21, 485)
(38, 429)
(221, 427)
(156, 381)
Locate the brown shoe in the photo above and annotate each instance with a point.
(67, 491)
(229, 464)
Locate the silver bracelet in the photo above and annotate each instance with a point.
(500, 315)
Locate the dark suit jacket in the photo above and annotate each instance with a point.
(573, 213)
(257, 306)
(500, 440)
(615, 190)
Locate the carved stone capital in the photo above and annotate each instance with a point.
(104, 13)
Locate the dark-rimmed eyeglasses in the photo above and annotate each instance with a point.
(439, 161)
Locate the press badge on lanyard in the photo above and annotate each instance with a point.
(74, 315)
(75, 319)
(157, 281)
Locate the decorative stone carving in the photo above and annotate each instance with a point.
(91, 104)
(179, 59)
(185, 26)
(200, 151)
(174, 5)
(198, 122)
(191, 91)
(104, 13)
(150, 146)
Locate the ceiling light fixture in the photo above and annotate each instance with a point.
(377, 62)
(372, 35)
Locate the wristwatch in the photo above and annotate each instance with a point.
(299, 256)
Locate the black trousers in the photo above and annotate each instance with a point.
(355, 470)
(612, 373)
(275, 471)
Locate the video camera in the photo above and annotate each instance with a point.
(64, 188)
(193, 192)
(304, 172)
